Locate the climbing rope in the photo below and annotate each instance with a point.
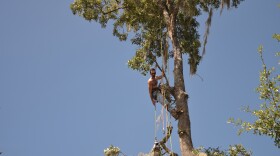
(166, 106)
(155, 123)
(164, 116)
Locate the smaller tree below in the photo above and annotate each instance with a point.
(234, 150)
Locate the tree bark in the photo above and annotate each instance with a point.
(181, 97)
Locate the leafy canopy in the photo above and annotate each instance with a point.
(144, 20)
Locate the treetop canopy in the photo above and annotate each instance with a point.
(145, 20)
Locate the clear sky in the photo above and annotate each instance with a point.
(66, 90)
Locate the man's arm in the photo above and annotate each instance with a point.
(150, 87)
(161, 76)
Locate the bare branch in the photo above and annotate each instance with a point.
(165, 139)
(208, 24)
(223, 3)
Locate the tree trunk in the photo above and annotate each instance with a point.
(181, 97)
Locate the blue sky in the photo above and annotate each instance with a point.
(65, 88)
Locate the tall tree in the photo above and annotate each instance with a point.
(157, 24)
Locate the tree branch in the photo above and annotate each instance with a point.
(165, 139)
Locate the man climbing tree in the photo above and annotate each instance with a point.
(154, 90)
(158, 92)
(157, 24)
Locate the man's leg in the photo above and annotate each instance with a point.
(164, 102)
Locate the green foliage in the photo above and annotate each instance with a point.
(112, 151)
(268, 115)
(145, 20)
(277, 37)
(235, 150)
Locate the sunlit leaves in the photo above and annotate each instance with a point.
(277, 37)
(139, 63)
(112, 151)
(98, 10)
(234, 150)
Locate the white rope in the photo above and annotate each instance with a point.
(155, 123)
